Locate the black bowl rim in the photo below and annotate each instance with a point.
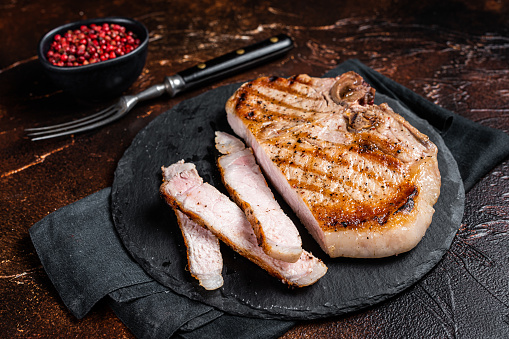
(113, 19)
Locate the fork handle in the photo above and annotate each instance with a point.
(229, 64)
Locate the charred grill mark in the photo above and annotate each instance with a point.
(298, 152)
(288, 88)
(300, 149)
(408, 205)
(364, 148)
(251, 100)
(282, 83)
(268, 114)
(275, 101)
(333, 218)
(240, 100)
(369, 149)
(343, 221)
(251, 111)
(357, 211)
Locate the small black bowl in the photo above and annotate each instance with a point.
(102, 80)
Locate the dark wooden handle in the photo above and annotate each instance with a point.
(236, 61)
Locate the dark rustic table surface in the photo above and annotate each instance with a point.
(454, 53)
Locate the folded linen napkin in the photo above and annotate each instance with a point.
(86, 261)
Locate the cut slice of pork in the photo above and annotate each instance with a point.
(275, 231)
(203, 252)
(184, 189)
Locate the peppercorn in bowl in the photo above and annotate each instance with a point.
(95, 59)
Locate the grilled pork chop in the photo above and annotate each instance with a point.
(185, 190)
(203, 253)
(275, 231)
(359, 176)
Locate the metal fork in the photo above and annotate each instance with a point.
(200, 74)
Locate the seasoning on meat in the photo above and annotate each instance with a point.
(185, 190)
(275, 231)
(359, 176)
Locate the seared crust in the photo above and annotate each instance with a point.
(306, 271)
(355, 166)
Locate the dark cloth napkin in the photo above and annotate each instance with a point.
(86, 261)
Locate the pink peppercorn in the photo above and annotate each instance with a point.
(91, 44)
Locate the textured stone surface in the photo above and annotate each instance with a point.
(458, 61)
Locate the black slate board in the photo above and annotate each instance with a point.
(148, 228)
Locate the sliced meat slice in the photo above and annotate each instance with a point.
(275, 231)
(184, 189)
(203, 252)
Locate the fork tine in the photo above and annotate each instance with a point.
(117, 114)
(106, 116)
(71, 123)
(75, 124)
